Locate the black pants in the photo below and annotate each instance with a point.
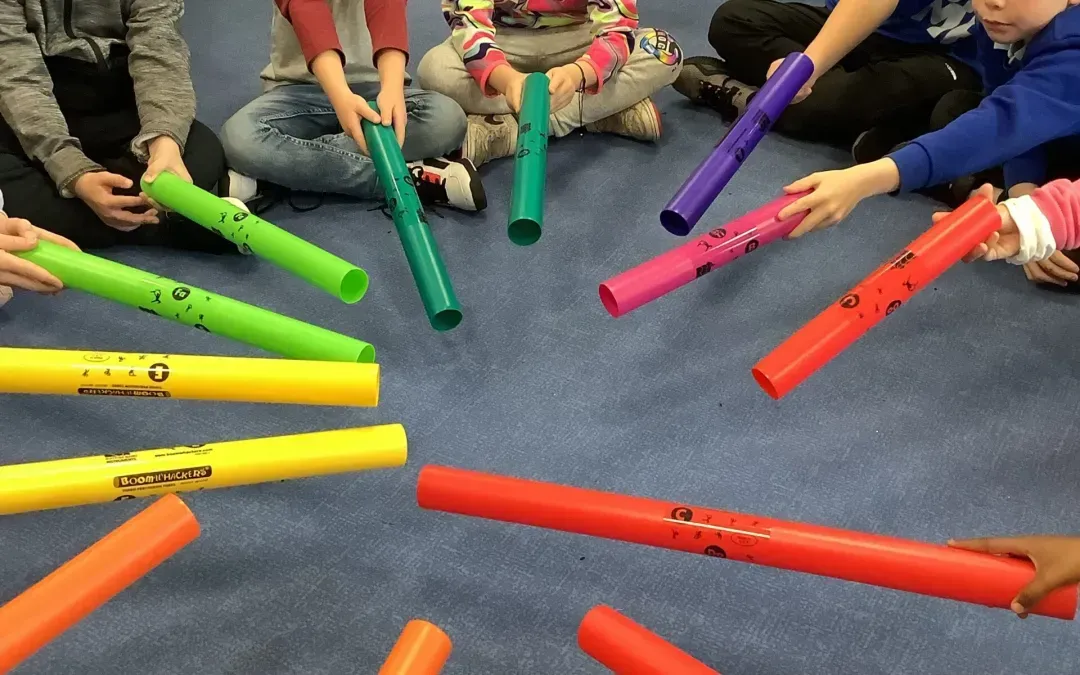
(881, 82)
(1062, 155)
(99, 106)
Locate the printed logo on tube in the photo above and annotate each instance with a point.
(682, 513)
(159, 372)
(902, 259)
(892, 307)
(718, 233)
(162, 477)
(715, 552)
(96, 358)
(751, 245)
(704, 269)
(181, 293)
(850, 301)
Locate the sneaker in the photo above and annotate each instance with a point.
(445, 182)
(704, 81)
(640, 121)
(873, 144)
(489, 137)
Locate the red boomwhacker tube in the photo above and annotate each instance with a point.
(626, 648)
(900, 564)
(878, 296)
(422, 649)
(92, 578)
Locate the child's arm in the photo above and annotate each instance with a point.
(473, 36)
(160, 67)
(1056, 560)
(28, 106)
(617, 20)
(1037, 106)
(849, 23)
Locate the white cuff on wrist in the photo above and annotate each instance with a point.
(1036, 237)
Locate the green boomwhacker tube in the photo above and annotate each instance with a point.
(530, 167)
(428, 270)
(197, 308)
(254, 235)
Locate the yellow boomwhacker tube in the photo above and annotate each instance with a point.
(214, 378)
(92, 480)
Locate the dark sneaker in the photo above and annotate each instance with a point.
(704, 81)
(875, 143)
(446, 182)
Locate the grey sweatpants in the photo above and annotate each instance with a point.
(654, 64)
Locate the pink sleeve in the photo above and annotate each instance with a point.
(1059, 201)
(610, 50)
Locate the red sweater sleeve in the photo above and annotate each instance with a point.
(388, 26)
(313, 24)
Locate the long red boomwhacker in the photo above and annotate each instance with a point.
(892, 284)
(93, 577)
(626, 648)
(903, 565)
(648, 281)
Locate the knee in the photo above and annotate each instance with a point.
(437, 66)
(809, 118)
(204, 156)
(442, 122)
(667, 55)
(242, 140)
(953, 105)
(727, 23)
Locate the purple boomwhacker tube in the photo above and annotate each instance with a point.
(704, 185)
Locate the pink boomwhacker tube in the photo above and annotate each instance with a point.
(648, 281)
(627, 648)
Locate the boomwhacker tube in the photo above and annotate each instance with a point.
(704, 185)
(68, 595)
(626, 648)
(878, 296)
(197, 308)
(210, 378)
(251, 233)
(422, 649)
(530, 166)
(903, 565)
(648, 281)
(428, 269)
(57, 484)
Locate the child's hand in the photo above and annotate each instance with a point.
(96, 189)
(17, 234)
(1058, 269)
(165, 155)
(1000, 245)
(836, 193)
(806, 89)
(510, 83)
(392, 110)
(1056, 560)
(565, 81)
(350, 109)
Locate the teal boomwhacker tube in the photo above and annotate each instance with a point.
(197, 308)
(530, 167)
(428, 270)
(337, 277)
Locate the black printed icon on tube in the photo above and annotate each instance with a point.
(181, 293)
(704, 269)
(718, 233)
(715, 552)
(751, 245)
(850, 301)
(682, 513)
(159, 372)
(892, 307)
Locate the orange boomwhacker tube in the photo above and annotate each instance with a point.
(422, 649)
(92, 578)
(627, 648)
(845, 321)
(900, 564)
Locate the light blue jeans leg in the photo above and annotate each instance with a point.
(290, 136)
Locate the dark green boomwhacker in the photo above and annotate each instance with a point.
(530, 167)
(428, 270)
(265, 240)
(197, 308)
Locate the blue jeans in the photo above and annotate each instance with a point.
(290, 136)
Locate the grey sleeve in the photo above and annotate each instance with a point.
(27, 103)
(160, 66)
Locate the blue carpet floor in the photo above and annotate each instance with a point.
(956, 417)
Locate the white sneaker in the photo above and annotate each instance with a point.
(241, 187)
(449, 182)
(640, 122)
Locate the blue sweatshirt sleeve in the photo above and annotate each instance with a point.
(1039, 104)
(1029, 167)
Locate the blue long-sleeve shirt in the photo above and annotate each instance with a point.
(944, 22)
(1033, 97)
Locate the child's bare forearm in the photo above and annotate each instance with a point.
(391, 64)
(850, 22)
(330, 73)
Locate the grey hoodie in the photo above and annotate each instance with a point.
(87, 29)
